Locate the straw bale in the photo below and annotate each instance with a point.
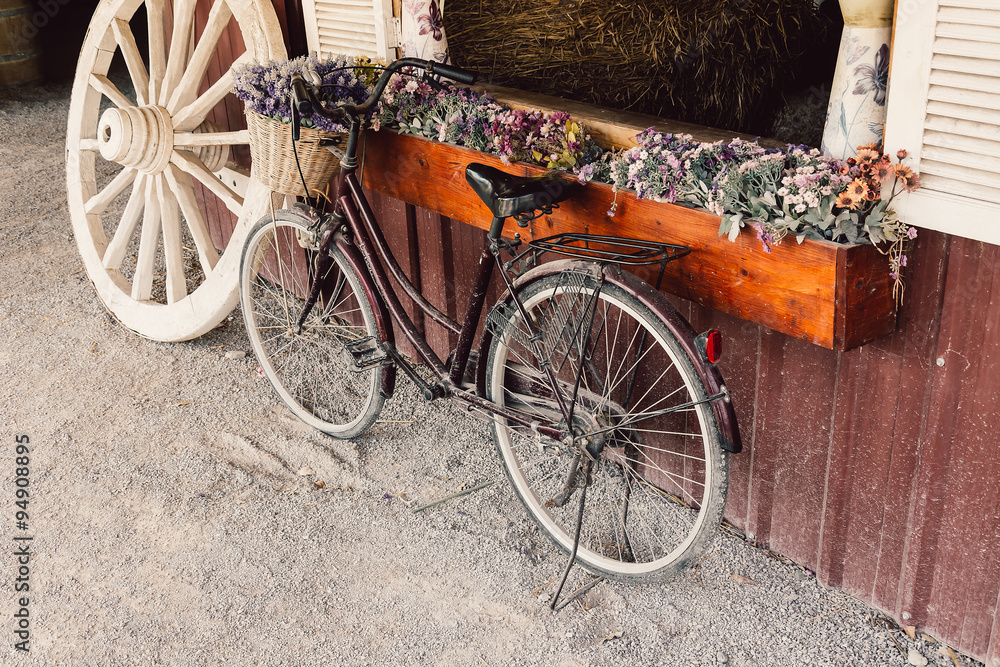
(710, 62)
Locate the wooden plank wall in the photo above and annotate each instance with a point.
(874, 467)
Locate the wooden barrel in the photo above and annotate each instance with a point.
(20, 64)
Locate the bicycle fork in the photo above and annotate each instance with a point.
(320, 268)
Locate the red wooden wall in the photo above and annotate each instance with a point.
(874, 467)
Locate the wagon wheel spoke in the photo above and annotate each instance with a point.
(115, 254)
(192, 165)
(173, 253)
(99, 202)
(157, 48)
(194, 113)
(103, 85)
(179, 42)
(142, 282)
(133, 59)
(180, 185)
(186, 90)
(211, 138)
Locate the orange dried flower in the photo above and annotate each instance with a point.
(906, 176)
(867, 155)
(845, 200)
(857, 189)
(883, 170)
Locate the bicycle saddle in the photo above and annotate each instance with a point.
(509, 195)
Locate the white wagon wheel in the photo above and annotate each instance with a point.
(144, 167)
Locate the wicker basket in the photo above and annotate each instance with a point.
(274, 161)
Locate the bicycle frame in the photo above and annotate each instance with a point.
(366, 248)
(585, 371)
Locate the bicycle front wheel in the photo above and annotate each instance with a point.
(315, 368)
(657, 486)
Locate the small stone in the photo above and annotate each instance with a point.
(721, 657)
(305, 471)
(235, 354)
(914, 657)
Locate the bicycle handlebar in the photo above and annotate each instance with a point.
(304, 99)
(455, 73)
(301, 99)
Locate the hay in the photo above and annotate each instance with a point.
(703, 61)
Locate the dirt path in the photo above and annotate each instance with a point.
(170, 523)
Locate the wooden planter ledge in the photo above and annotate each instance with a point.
(833, 295)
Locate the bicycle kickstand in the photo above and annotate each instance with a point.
(587, 468)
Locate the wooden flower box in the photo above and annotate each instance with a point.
(835, 296)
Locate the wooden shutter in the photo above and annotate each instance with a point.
(944, 108)
(357, 27)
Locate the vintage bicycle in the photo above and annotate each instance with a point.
(610, 416)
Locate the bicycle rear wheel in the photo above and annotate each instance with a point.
(658, 485)
(313, 369)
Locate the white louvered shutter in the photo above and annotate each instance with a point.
(356, 27)
(944, 108)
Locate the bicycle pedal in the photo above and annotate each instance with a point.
(366, 353)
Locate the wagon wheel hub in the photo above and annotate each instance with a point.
(142, 137)
(137, 137)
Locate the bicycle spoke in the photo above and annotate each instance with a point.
(674, 477)
(680, 433)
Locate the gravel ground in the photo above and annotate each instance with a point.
(171, 524)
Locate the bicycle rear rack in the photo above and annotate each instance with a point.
(603, 250)
(606, 249)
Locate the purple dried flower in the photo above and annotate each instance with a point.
(266, 89)
(763, 236)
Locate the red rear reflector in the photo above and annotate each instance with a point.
(713, 346)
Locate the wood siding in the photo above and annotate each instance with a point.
(873, 467)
